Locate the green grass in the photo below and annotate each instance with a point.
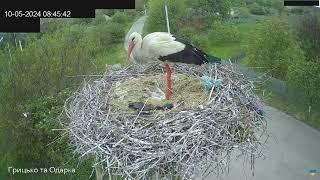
(299, 110)
(245, 30)
(226, 50)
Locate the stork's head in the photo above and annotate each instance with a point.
(134, 38)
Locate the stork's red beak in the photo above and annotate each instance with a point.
(131, 46)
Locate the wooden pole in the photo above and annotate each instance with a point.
(167, 18)
(99, 172)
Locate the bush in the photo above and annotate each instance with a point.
(35, 132)
(258, 10)
(37, 145)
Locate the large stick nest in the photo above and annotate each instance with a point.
(181, 140)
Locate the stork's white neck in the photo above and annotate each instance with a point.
(136, 52)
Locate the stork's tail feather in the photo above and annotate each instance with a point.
(213, 59)
(208, 58)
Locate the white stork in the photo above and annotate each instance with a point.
(167, 48)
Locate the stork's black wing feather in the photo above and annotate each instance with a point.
(189, 55)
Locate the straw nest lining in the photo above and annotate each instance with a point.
(179, 141)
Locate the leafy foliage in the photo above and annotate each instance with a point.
(306, 75)
(274, 48)
(34, 132)
(309, 36)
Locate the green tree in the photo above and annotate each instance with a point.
(274, 48)
(309, 36)
(306, 76)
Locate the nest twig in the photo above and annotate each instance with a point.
(176, 142)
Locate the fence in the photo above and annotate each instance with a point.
(273, 85)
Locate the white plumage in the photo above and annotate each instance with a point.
(153, 46)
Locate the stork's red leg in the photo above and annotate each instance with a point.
(168, 71)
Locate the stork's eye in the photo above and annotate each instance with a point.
(133, 38)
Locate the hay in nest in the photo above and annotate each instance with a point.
(187, 91)
(193, 135)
